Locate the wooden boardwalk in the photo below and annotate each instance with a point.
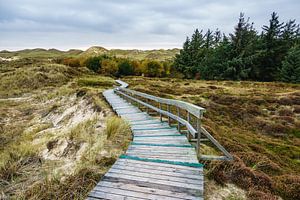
(160, 163)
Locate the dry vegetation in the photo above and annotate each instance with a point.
(57, 134)
(259, 123)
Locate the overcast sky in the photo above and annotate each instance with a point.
(126, 24)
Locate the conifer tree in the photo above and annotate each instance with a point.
(183, 60)
(272, 44)
(290, 71)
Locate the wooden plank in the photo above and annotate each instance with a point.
(137, 188)
(161, 167)
(153, 180)
(150, 121)
(145, 126)
(129, 193)
(124, 107)
(156, 171)
(121, 113)
(160, 153)
(135, 117)
(104, 195)
(164, 157)
(154, 133)
(188, 191)
(169, 139)
(165, 165)
(161, 149)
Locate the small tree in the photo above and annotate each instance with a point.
(109, 67)
(290, 71)
(137, 67)
(72, 62)
(125, 68)
(93, 63)
(153, 69)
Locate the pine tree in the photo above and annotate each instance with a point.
(290, 71)
(197, 53)
(209, 39)
(183, 60)
(272, 44)
(244, 55)
(242, 40)
(289, 35)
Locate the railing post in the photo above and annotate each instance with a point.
(147, 108)
(198, 136)
(189, 121)
(160, 115)
(178, 114)
(169, 119)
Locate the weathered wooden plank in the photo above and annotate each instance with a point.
(137, 188)
(104, 195)
(128, 112)
(150, 121)
(164, 157)
(135, 117)
(124, 107)
(161, 139)
(161, 167)
(152, 126)
(160, 149)
(166, 154)
(156, 171)
(188, 191)
(154, 180)
(129, 193)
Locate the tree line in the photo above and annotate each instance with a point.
(271, 55)
(115, 66)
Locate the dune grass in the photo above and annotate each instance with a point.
(257, 122)
(43, 160)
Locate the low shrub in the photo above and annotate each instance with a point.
(288, 186)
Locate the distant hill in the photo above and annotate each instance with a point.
(94, 51)
(157, 54)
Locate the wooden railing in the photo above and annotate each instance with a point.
(186, 115)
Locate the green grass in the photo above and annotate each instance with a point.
(96, 81)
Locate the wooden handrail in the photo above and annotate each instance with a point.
(196, 111)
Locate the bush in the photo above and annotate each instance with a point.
(94, 63)
(109, 67)
(125, 68)
(288, 186)
(72, 62)
(153, 69)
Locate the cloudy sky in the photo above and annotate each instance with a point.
(126, 24)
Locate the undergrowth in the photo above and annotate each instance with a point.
(257, 122)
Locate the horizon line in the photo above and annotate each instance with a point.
(12, 49)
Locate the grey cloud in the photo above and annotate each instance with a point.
(125, 23)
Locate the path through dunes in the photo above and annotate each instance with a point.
(160, 163)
